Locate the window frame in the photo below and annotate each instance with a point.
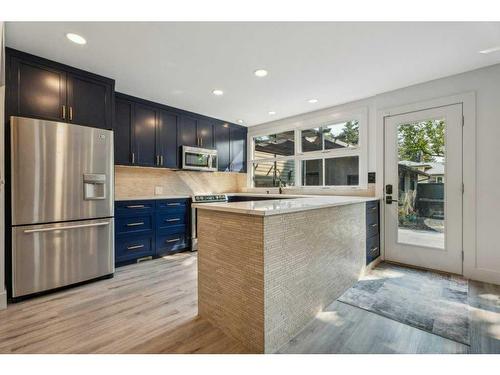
(314, 120)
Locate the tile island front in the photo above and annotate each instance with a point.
(266, 268)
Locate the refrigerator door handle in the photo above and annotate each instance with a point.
(50, 229)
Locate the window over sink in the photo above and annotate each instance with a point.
(327, 149)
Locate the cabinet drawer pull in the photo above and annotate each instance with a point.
(173, 204)
(170, 220)
(70, 113)
(135, 247)
(161, 159)
(136, 206)
(135, 224)
(374, 249)
(374, 208)
(133, 157)
(374, 225)
(64, 112)
(172, 240)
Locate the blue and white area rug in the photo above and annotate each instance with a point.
(434, 302)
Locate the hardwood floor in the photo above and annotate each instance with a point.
(151, 307)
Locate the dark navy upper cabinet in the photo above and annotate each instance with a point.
(144, 128)
(35, 90)
(167, 139)
(89, 101)
(123, 131)
(221, 136)
(205, 133)
(40, 88)
(238, 148)
(188, 131)
(151, 135)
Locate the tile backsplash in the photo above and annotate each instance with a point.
(133, 182)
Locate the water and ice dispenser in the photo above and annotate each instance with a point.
(94, 186)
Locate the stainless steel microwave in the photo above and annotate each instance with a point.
(199, 159)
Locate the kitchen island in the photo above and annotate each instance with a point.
(266, 268)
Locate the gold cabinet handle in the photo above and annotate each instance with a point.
(172, 240)
(135, 224)
(70, 113)
(64, 112)
(135, 247)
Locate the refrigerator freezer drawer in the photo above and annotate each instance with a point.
(50, 256)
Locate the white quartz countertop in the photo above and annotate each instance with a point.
(148, 197)
(282, 206)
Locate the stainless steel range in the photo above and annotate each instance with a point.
(206, 198)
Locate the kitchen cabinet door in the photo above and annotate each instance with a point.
(187, 135)
(89, 101)
(238, 149)
(123, 131)
(36, 90)
(144, 127)
(167, 139)
(221, 135)
(205, 133)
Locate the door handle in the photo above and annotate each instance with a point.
(64, 112)
(51, 229)
(133, 157)
(70, 113)
(389, 200)
(161, 159)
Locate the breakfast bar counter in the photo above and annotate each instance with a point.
(266, 268)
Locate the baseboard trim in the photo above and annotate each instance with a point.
(3, 300)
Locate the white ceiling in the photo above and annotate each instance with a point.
(179, 64)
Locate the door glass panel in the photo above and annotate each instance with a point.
(421, 185)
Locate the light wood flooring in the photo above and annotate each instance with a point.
(151, 307)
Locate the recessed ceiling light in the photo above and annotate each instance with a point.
(75, 38)
(312, 101)
(272, 113)
(240, 121)
(260, 73)
(490, 50)
(218, 92)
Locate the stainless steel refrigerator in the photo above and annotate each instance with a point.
(61, 204)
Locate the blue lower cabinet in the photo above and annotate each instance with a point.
(135, 247)
(372, 231)
(170, 242)
(150, 228)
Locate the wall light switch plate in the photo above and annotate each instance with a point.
(158, 190)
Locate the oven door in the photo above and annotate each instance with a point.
(199, 159)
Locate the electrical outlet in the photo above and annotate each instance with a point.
(158, 190)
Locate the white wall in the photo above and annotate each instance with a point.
(3, 295)
(485, 83)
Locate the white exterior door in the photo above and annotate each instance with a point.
(423, 178)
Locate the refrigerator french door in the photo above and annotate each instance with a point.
(61, 204)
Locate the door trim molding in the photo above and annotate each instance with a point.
(469, 222)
